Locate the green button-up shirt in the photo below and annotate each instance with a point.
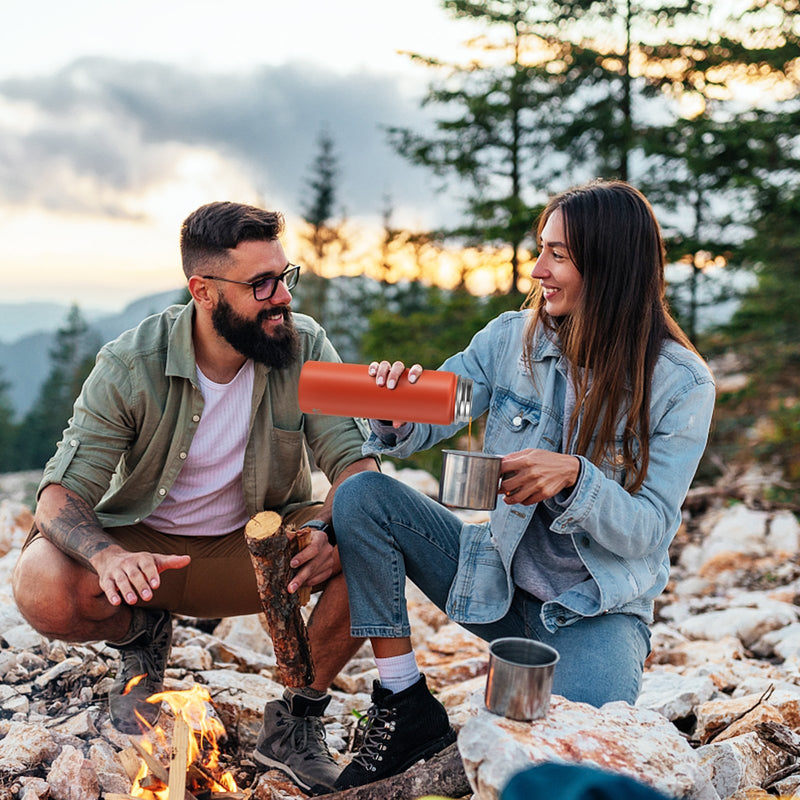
(137, 413)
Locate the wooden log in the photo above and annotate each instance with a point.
(441, 775)
(179, 756)
(271, 550)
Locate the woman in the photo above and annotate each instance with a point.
(600, 407)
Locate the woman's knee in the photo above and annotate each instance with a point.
(360, 495)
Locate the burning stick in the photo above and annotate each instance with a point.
(178, 758)
(271, 549)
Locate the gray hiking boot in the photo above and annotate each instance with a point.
(292, 739)
(143, 654)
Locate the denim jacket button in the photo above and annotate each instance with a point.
(517, 421)
(561, 620)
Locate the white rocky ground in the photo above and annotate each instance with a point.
(726, 657)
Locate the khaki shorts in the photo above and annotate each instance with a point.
(219, 581)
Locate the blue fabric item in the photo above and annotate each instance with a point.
(576, 782)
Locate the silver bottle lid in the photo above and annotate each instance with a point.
(463, 406)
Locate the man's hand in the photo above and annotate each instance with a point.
(126, 576)
(316, 562)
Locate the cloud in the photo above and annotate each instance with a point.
(99, 133)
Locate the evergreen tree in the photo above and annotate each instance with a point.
(551, 100)
(323, 236)
(8, 452)
(72, 357)
(763, 419)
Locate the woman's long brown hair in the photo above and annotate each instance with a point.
(614, 335)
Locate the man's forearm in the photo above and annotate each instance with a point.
(70, 523)
(367, 464)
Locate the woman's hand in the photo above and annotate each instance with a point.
(387, 375)
(531, 476)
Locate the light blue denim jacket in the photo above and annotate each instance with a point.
(623, 539)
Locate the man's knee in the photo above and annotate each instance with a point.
(42, 594)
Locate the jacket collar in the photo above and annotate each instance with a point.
(180, 346)
(181, 361)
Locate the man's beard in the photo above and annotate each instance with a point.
(277, 350)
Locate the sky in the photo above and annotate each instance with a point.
(117, 119)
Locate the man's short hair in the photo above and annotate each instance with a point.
(213, 229)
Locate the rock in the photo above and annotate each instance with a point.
(728, 717)
(747, 623)
(80, 724)
(72, 777)
(741, 763)
(617, 737)
(111, 775)
(23, 637)
(784, 533)
(191, 658)
(26, 745)
(672, 695)
(246, 632)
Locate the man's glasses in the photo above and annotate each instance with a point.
(265, 287)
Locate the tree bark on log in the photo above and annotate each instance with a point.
(272, 546)
(443, 775)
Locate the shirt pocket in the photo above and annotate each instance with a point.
(288, 463)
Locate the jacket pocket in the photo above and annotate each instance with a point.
(481, 590)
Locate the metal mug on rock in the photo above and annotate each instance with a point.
(520, 678)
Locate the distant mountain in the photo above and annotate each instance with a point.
(25, 362)
(20, 319)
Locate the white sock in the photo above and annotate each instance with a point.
(398, 672)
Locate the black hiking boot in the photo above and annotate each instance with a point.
(399, 730)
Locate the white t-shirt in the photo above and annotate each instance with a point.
(207, 498)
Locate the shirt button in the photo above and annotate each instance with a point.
(162, 491)
(196, 418)
(183, 455)
(73, 442)
(517, 421)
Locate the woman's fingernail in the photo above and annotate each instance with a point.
(392, 383)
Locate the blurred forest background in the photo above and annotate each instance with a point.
(695, 102)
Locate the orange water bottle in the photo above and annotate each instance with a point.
(348, 390)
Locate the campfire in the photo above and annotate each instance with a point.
(180, 761)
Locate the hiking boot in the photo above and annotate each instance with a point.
(292, 739)
(143, 652)
(398, 730)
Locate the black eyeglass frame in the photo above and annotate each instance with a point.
(289, 277)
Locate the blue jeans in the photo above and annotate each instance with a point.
(388, 531)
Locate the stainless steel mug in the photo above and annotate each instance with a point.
(469, 480)
(520, 678)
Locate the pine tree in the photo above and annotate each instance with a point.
(8, 452)
(71, 357)
(323, 236)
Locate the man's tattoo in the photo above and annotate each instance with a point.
(76, 531)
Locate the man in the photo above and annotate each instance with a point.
(187, 426)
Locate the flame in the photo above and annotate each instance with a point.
(194, 707)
